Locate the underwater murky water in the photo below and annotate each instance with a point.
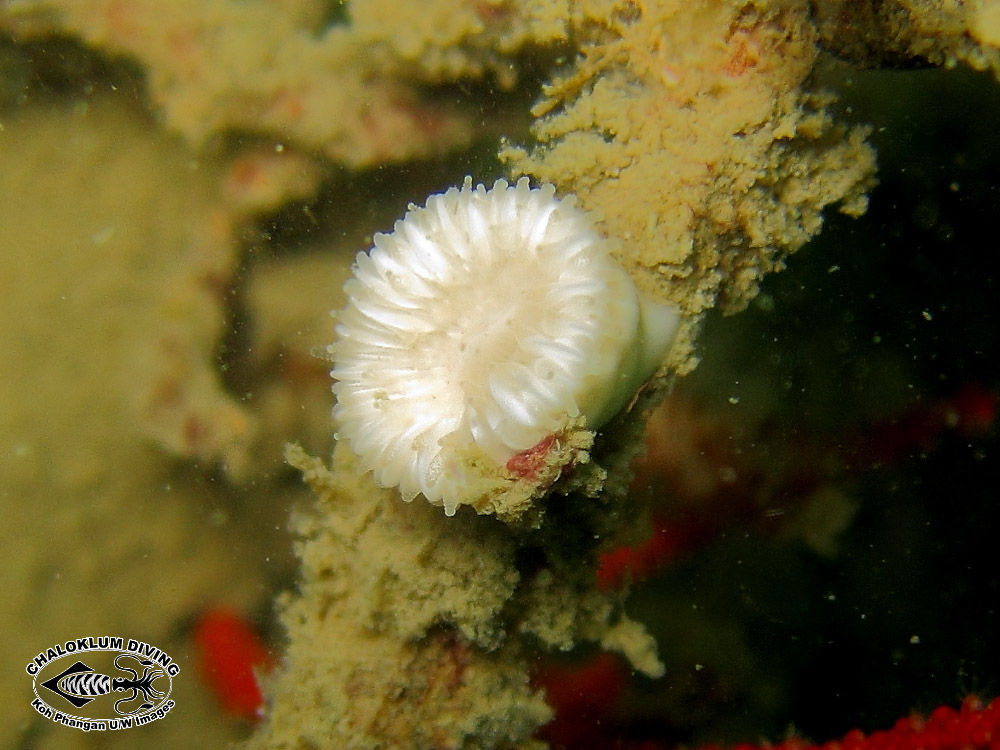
(184, 193)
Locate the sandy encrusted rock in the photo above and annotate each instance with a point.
(110, 309)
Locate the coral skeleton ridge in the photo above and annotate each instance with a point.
(479, 334)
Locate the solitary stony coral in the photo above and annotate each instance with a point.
(484, 324)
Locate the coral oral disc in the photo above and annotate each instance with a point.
(485, 322)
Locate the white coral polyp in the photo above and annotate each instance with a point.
(485, 322)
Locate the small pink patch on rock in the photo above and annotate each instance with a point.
(526, 464)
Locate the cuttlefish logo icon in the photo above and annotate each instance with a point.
(107, 683)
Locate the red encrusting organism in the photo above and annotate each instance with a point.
(581, 696)
(670, 539)
(970, 411)
(972, 727)
(230, 653)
